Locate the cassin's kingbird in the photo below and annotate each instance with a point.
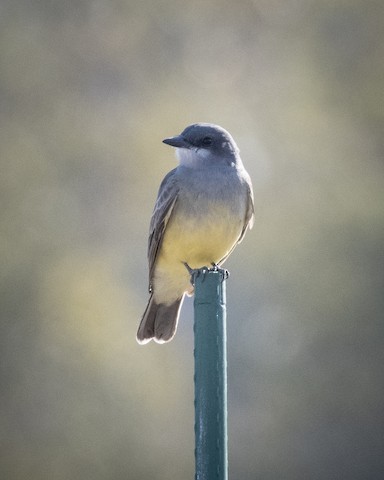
(203, 209)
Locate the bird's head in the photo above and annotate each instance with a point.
(204, 143)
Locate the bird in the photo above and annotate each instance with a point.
(203, 209)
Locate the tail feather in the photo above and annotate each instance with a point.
(159, 322)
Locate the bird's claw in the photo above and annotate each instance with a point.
(216, 268)
(195, 272)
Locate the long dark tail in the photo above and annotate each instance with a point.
(159, 321)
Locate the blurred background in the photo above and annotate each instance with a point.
(88, 89)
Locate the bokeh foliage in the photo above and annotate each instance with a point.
(87, 91)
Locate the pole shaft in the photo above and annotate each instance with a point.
(211, 452)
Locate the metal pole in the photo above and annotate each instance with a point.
(211, 451)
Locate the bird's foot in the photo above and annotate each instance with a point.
(217, 268)
(195, 272)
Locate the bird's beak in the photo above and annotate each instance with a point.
(177, 141)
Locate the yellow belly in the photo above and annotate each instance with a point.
(201, 230)
(200, 242)
(198, 245)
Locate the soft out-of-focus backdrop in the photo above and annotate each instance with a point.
(88, 89)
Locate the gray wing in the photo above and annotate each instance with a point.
(248, 220)
(249, 215)
(165, 203)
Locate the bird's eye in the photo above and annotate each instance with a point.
(206, 141)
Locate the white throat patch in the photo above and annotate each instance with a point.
(190, 157)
